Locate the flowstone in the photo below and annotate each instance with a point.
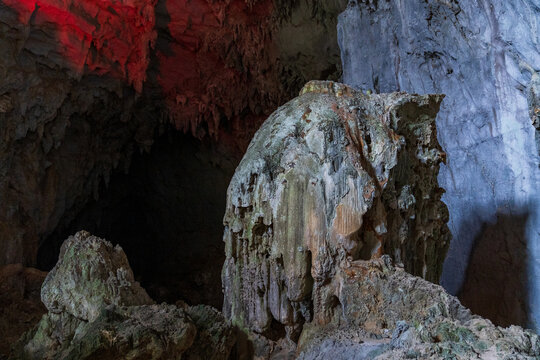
(331, 177)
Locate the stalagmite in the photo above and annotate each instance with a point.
(331, 177)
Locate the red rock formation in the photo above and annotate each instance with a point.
(107, 37)
(216, 57)
(213, 65)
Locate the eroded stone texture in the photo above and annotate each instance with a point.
(484, 56)
(89, 275)
(215, 337)
(331, 177)
(149, 332)
(97, 311)
(386, 313)
(84, 83)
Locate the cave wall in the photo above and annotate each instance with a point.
(66, 115)
(84, 85)
(483, 55)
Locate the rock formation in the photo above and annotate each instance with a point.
(331, 177)
(331, 182)
(483, 55)
(97, 311)
(20, 305)
(89, 275)
(115, 112)
(385, 313)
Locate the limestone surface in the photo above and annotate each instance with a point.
(386, 313)
(331, 177)
(90, 274)
(97, 311)
(484, 56)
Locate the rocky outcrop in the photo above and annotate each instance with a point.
(484, 56)
(97, 311)
(117, 332)
(331, 177)
(90, 274)
(385, 313)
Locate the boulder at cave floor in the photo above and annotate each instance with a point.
(96, 310)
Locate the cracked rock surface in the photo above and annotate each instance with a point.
(331, 177)
(386, 313)
(90, 274)
(98, 311)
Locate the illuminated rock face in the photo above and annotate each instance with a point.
(105, 37)
(90, 274)
(483, 55)
(331, 177)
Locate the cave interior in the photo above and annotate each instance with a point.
(128, 119)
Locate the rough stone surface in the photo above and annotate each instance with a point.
(20, 307)
(215, 337)
(135, 332)
(331, 177)
(83, 85)
(484, 56)
(89, 275)
(386, 313)
(109, 322)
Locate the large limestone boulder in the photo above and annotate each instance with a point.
(331, 177)
(90, 274)
(97, 311)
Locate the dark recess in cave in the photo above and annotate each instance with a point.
(166, 213)
(496, 284)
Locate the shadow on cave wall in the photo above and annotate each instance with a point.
(497, 284)
(166, 212)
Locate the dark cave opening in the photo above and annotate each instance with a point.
(166, 212)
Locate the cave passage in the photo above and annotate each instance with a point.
(166, 212)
